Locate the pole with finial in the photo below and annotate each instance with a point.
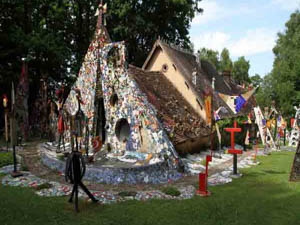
(100, 11)
(212, 114)
(5, 104)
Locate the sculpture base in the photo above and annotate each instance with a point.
(16, 174)
(203, 193)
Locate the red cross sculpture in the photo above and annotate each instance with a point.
(233, 150)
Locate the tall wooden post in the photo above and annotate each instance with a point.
(212, 115)
(5, 103)
(13, 132)
(6, 128)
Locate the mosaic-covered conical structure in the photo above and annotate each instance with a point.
(117, 110)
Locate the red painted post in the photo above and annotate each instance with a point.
(208, 159)
(203, 180)
(233, 150)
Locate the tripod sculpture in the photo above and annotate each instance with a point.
(75, 166)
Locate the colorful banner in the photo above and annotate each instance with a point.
(207, 100)
(239, 103)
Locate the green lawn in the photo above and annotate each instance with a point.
(262, 196)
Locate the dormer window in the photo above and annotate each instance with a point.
(164, 68)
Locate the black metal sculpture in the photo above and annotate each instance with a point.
(75, 165)
(75, 170)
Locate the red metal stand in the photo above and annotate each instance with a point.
(233, 150)
(202, 191)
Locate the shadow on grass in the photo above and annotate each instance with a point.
(274, 172)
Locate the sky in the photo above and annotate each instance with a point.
(246, 27)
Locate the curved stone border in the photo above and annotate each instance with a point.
(105, 197)
(152, 174)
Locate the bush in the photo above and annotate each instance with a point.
(6, 158)
(171, 191)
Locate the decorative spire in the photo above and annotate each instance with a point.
(102, 9)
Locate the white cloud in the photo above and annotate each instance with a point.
(214, 11)
(289, 5)
(211, 40)
(253, 42)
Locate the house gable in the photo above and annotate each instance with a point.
(160, 60)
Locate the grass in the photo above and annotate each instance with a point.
(203, 162)
(43, 186)
(262, 196)
(6, 158)
(172, 191)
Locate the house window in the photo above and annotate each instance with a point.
(199, 103)
(188, 87)
(164, 68)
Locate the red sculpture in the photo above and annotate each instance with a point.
(203, 180)
(233, 150)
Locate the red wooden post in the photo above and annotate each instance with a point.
(208, 159)
(203, 180)
(233, 150)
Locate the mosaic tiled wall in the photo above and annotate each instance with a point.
(146, 133)
(132, 105)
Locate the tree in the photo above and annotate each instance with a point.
(256, 80)
(55, 35)
(265, 93)
(240, 70)
(286, 67)
(225, 61)
(140, 23)
(209, 55)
